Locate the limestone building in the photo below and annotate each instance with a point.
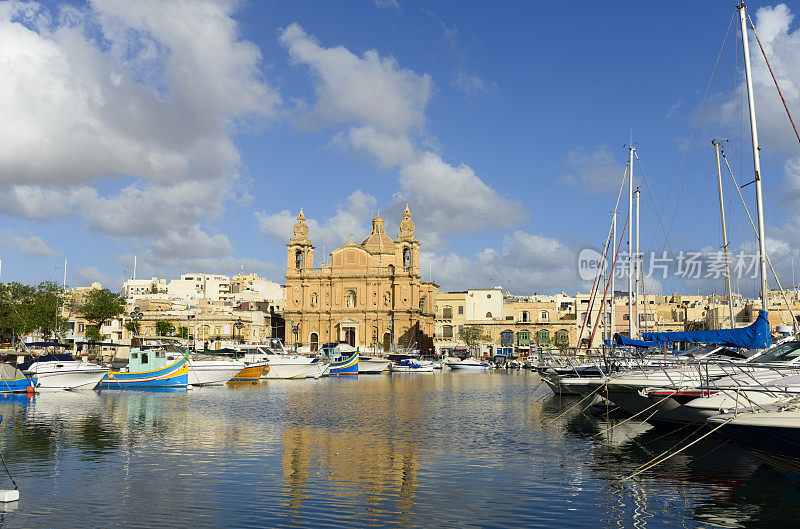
(370, 294)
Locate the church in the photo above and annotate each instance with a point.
(370, 295)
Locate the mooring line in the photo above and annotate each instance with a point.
(636, 414)
(548, 423)
(659, 461)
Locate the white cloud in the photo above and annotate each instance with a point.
(471, 85)
(525, 263)
(593, 172)
(389, 5)
(352, 217)
(369, 90)
(150, 90)
(27, 244)
(782, 47)
(383, 106)
(452, 200)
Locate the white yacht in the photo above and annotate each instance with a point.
(469, 364)
(283, 364)
(62, 371)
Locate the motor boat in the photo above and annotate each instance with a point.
(469, 364)
(62, 371)
(283, 364)
(411, 366)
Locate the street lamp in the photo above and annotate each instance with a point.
(295, 331)
(375, 338)
(238, 325)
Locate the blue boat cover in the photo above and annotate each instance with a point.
(624, 340)
(754, 336)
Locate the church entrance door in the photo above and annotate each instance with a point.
(350, 336)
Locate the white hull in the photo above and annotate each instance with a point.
(209, 373)
(409, 369)
(70, 375)
(468, 367)
(372, 366)
(296, 371)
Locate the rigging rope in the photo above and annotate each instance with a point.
(753, 27)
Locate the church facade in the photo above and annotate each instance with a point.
(370, 295)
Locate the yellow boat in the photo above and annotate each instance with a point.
(252, 372)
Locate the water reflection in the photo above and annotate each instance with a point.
(714, 481)
(444, 450)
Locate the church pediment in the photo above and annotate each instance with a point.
(347, 322)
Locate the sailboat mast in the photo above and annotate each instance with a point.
(762, 253)
(637, 263)
(715, 143)
(631, 321)
(613, 260)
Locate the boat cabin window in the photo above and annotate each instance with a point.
(159, 354)
(782, 353)
(134, 355)
(145, 358)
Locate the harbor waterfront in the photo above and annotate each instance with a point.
(449, 449)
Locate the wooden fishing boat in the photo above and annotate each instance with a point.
(149, 369)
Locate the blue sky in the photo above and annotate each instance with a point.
(190, 134)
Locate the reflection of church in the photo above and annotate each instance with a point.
(370, 294)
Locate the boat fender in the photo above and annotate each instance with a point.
(29, 389)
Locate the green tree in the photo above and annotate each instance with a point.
(164, 328)
(183, 332)
(472, 335)
(25, 309)
(133, 327)
(93, 334)
(99, 305)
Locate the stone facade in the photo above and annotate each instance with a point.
(370, 294)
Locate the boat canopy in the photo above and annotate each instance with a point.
(47, 358)
(754, 336)
(624, 340)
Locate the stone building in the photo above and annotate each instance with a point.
(370, 294)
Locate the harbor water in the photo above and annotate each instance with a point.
(423, 450)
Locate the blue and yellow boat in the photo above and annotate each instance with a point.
(149, 368)
(344, 359)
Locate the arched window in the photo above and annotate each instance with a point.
(351, 299)
(406, 257)
(387, 299)
(298, 259)
(314, 341)
(543, 337)
(525, 316)
(313, 299)
(544, 316)
(422, 304)
(488, 314)
(447, 313)
(447, 331)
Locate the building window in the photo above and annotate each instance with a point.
(544, 316)
(422, 304)
(507, 338)
(80, 327)
(525, 316)
(447, 331)
(298, 259)
(562, 338)
(447, 313)
(488, 314)
(543, 337)
(406, 257)
(314, 340)
(460, 328)
(461, 309)
(313, 299)
(351, 299)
